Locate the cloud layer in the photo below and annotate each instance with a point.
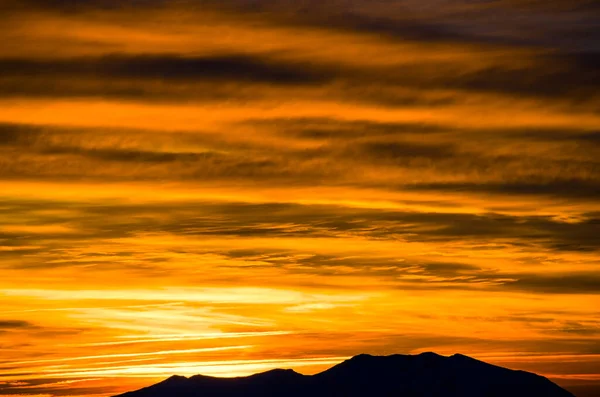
(227, 187)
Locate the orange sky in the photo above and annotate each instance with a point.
(228, 187)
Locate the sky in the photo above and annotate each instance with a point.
(226, 187)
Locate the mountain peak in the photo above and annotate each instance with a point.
(278, 373)
(282, 371)
(175, 379)
(431, 354)
(362, 356)
(465, 359)
(458, 356)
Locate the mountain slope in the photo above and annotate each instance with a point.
(423, 375)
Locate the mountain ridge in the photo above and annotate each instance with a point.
(424, 375)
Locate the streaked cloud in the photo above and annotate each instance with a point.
(224, 187)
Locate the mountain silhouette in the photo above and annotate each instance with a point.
(423, 375)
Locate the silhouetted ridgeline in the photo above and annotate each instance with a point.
(423, 375)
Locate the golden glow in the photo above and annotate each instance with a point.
(216, 191)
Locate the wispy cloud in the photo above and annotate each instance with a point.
(223, 187)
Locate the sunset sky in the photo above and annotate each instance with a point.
(226, 187)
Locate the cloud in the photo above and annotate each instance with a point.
(509, 162)
(14, 324)
(577, 328)
(422, 173)
(315, 221)
(17, 134)
(568, 283)
(166, 77)
(465, 21)
(137, 156)
(569, 188)
(163, 77)
(328, 129)
(397, 151)
(236, 67)
(83, 5)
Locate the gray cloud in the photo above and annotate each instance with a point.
(165, 67)
(569, 188)
(468, 157)
(136, 156)
(240, 219)
(167, 77)
(395, 151)
(14, 324)
(571, 283)
(556, 24)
